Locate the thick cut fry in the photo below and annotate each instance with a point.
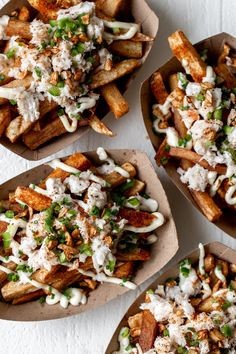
(76, 160)
(139, 255)
(207, 205)
(24, 14)
(223, 71)
(115, 179)
(124, 270)
(3, 275)
(5, 118)
(195, 158)
(148, 331)
(98, 126)
(187, 55)
(28, 297)
(141, 37)
(136, 218)
(34, 139)
(158, 88)
(32, 198)
(19, 126)
(136, 189)
(18, 28)
(127, 49)
(208, 305)
(111, 8)
(104, 77)
(162, 153)
(224, 54)
(117, 103)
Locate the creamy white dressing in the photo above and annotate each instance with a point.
(110, 165)
(206, 290)
(157, 222)
(10, 93)
(144, 204)
(229, 196)
(12, 259)
(39, 190)
(172, 137)
(101, 277)
(156, 127)
(124, 342)
(201, 266)
(59, 164)
(219, 274)
(132, 28)
(210, 76)
(70, 127)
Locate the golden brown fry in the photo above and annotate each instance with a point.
(104, 77)
(18, 28)
(32, 198)
(158, 88)
(223, 71)
(187, 55)
(135, 324)
(124, 270)
(137, 255)
(148, 331)
(224, 54)
(3, 275)
(207, 205)
(48, 9)
(136, 218)
(19, 126)
(193, 157)
(3, 226)
(98, 126)
(5, 118)
(117, 103)
(141, 37)
(111, 8)
(28, 297)
(208, 305)
(137, 188)
(24, 14)
(115, 179)
(127, 48)
(25, 83)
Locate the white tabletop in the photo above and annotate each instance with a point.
(90, 333)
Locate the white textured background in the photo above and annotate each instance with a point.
(90, 333)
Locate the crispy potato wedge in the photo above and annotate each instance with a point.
(111, 8)
(187, 55)
(115, 179)
(158, 88)
(104, 77)
(137, 188)
(18, 28)
(28, 297)
(99, 127)
(127, 48)
(148, 331)
(137, 255)
(32, 198)
(117, 103)
(124, 270)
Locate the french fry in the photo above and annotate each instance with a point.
(76, 160)
(124, 270)
(141, 37)
(207, 205)
(104, 77)
(5, 118)
(24, 14)
(193, 157)
(148, 331)
(34, 139)
(111, 8)
(3, 226)
(187, 55)
(138, 255)
(162, 153)
(98, 126)
(208, 305)
(158, 88)
(115, 179)
(19, 126)
(223, 71)
(224, 54)
(117, 103)
(127, 48)
(32, 198)
(137, 188)
(28, 297)
(136, 218)
(18, 28)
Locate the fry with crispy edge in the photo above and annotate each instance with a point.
(187, 55)
(5, 118)
(104, 77)
(110, 8)
(158, 88)
(117, 103)
(148, 331)
(127, 48)
(32, 198)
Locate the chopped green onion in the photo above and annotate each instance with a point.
(2, 77)
(38, 72)
(226, 305)
(11, 53)
(13, 277)
(200, 97)
(111, 265)
(150, 292)
(95, 211)
(9, 214)
(125, 332)
(53, 23)
(85, 248)
(60, 84)
(42, 299)
(54, 91)
(182, 78)
(164, 160)
(166, 333)
(6, 237)
(127, 186)
(218, 114)
(60, 112)
(13, 102)
(24, 268)
(226, 331)
(134, 201)
(227, 130)
(62, 257)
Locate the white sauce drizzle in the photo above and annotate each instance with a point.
(206, 289)
(219, 274)
(71, 128)
(3, 24)
(157, 222)
(39, 190)
(229, 194)
(132, 28)
(58, 164)
(201, 259)
(110, 166)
